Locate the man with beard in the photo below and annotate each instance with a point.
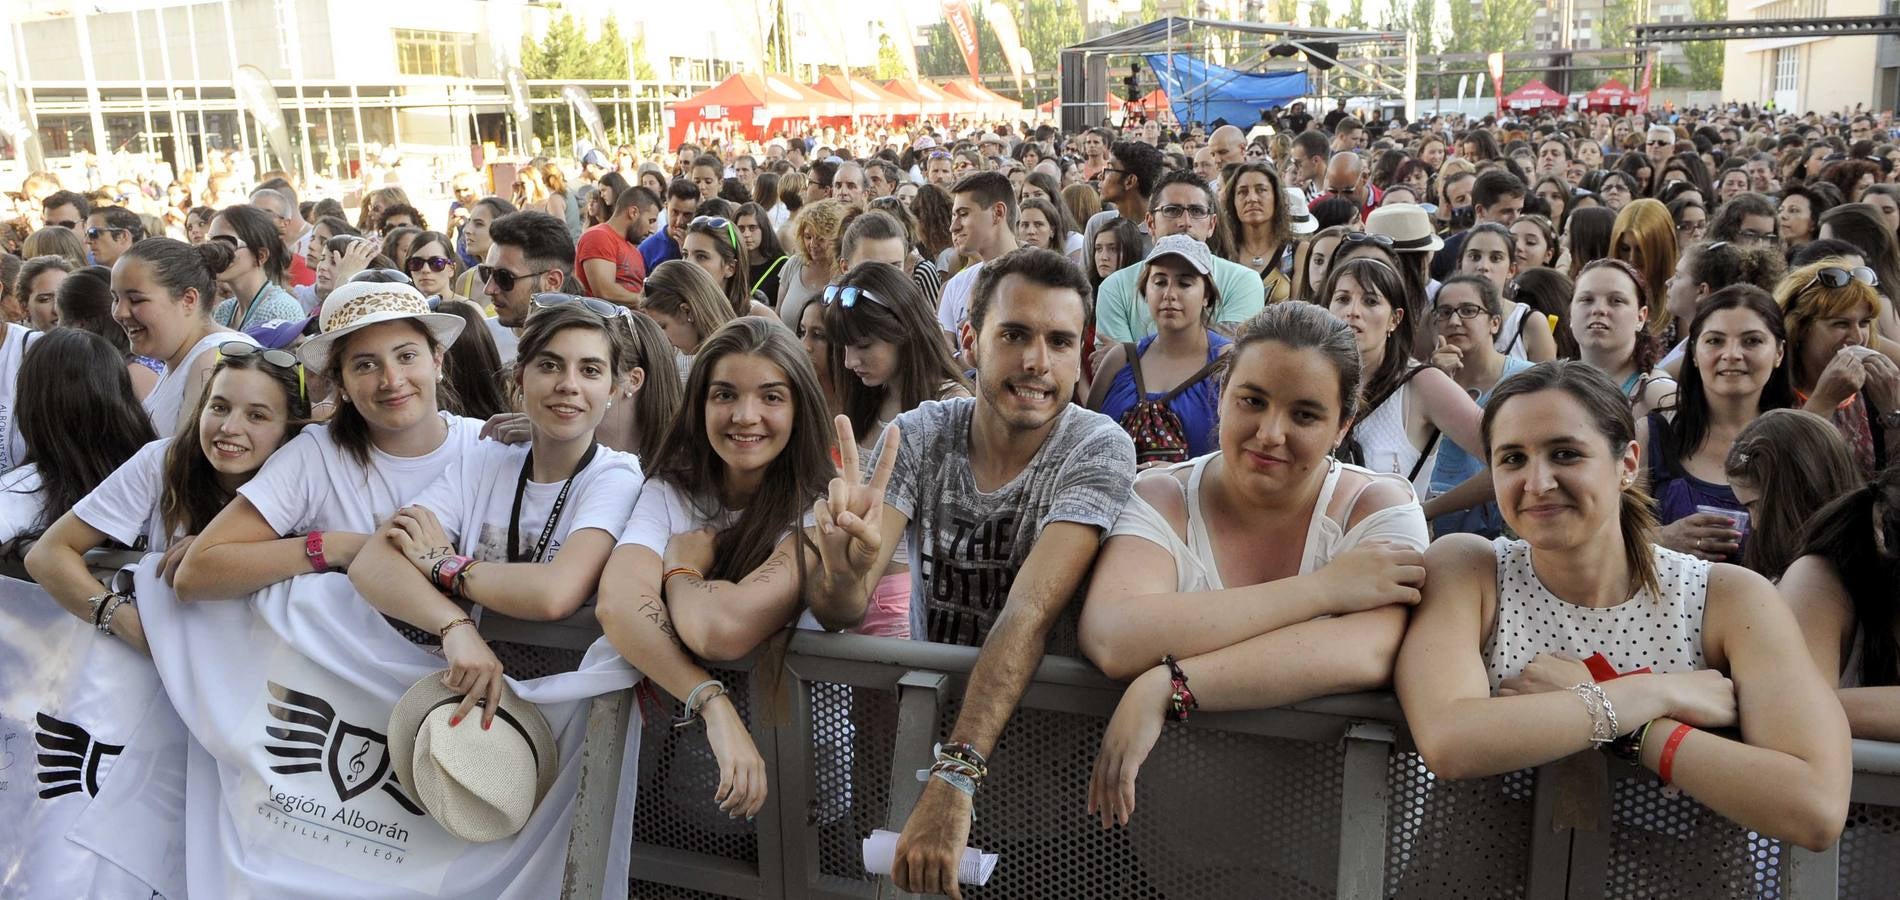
(1002, 500)
(529, 253)
(607, 256)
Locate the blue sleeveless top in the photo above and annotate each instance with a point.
(1198, 407)
(1455, 465)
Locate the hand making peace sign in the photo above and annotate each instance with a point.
(850, 518)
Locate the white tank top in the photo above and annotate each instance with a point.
(1382, 436)
(1661, 632)
(1510, 339)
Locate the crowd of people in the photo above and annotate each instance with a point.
(1566, 429)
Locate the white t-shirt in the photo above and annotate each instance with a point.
(475, 504)
(21, 503)
(12, 351)
(311, 484)
(168, 395)
(663, 511)
(954, 309)
(505, 339)
(125, 506)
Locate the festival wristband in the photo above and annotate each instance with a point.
(681, 570)
(1666, 765)
(313, 551)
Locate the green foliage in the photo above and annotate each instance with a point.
(1420, 19)
(889, 64)
(565, 53)
(1286, 11)
(1705, 58)
(1045, 26)
(1355, 15)
(1319, 14)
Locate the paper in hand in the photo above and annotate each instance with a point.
(880, 853)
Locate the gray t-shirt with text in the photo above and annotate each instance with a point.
(966, 546)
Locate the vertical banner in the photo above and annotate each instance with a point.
(589, 114)
(259, 98)
(963, 26)
(1003, 22)
(1495, 62)
(517, 82)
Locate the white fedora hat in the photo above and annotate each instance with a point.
(360, 304)
(480, 785)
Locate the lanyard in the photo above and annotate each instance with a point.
(554, 514)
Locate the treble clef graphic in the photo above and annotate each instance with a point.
(356, 762)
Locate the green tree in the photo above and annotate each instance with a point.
(1705, 57)
(1319, 14)
(566, 53)
(1420, 19)
(889, 64)
(1355, 17)
(1286, 12)
(1046, 26)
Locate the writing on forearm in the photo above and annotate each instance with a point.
(654, 611)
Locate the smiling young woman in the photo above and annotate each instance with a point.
(1491, 674)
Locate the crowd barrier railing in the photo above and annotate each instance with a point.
(1325, 798)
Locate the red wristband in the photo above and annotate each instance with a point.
(1665, 766)
(313, 550)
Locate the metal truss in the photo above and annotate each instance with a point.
(1745, 29)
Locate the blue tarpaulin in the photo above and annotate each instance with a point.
(1200, 91)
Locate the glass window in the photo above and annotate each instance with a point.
(434, 53)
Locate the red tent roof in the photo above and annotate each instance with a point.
(865, 97)
(752, 103)
(1114, 103)
(1535, 95)
(925, 99)
(1612, 94)
(986, 101)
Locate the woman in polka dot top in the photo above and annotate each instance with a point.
(1493, 673)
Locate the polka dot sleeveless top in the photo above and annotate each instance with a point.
(1661, 632)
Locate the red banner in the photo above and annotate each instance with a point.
(963, 26)
(1649, 63)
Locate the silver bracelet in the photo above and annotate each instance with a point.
(1603, 725)
(105, 619)
(694, 705)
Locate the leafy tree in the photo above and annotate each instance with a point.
(1420, 19)
(1046, 26)
(1319, 14)
(565, 53)
(1705, 57)
(889, 64)
(1355, 17)
(1286, 11)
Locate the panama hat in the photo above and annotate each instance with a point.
(1299, 218)
(479, 785)
(358, 304)
(1408, 225)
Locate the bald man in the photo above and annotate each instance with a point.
(1229, 144)
(847, 186)
(1346, 177)
(1207, 168)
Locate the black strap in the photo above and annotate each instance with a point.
(1134, 362)
(1419, 466)
(554, 514)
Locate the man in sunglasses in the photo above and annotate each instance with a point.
(110, 231)
(1183, 204)
(1659, 143)
(529, 253)
(66, 209)
(607, 256)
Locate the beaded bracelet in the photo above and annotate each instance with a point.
(1180, 699)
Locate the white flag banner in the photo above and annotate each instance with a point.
(82, 716)
(292, 792)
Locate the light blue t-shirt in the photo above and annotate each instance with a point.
(1121, 315)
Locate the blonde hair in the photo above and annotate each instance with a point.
(677, 287)
(1651, 233)
(1803, 299)
(823, 220)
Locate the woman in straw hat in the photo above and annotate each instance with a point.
(317, 501)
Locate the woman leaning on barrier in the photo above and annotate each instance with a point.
(1259, 575)
(1492, 674)
(1842, 589)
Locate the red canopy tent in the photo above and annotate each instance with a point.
(1535, 95)
(1152, 104)
(752, 105)
(987, 103)
(1114, 104)
(1613, 96)
(865, 98)
(925, 100)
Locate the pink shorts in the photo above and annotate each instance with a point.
(888, 614)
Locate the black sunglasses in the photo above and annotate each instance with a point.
(92, 234)
(847, 297)
(1367, 237)
(595, 305)
(1837, 277)
(503, 278)
(435, 263)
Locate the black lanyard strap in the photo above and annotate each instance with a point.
(554, 514)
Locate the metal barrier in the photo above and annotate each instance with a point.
(1321, 799)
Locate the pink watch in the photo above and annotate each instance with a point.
(313, 550)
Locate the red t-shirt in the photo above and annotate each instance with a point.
(604, 242)
(301, 274)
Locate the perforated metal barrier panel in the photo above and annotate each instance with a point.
(1219, 813)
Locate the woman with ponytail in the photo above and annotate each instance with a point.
(163, 294)
(256, 267)
(1842, 589)
(1582, 633)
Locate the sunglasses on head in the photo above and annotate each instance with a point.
(280, 359)
(1837, 277)
(503, 278)
(435, 263)
(1367, 237)
(594, 305)
(847, 297)
(718, 223)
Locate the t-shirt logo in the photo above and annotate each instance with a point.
(314, 738)
(70, 759)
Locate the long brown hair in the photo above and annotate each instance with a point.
(193, 495)
(347, 426)
(1606, 410)
(793, 481)
(902, 316)
(658, 400)
(1799, 463)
